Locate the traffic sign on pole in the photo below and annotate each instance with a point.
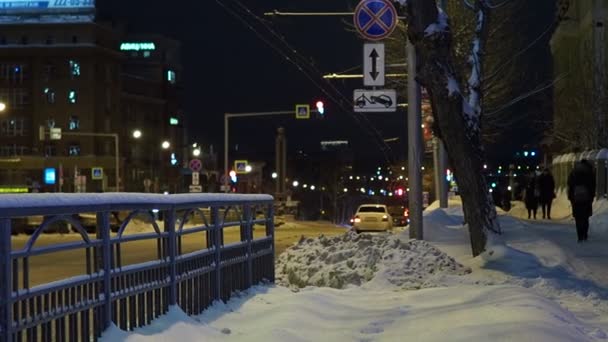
(240, 166)
(375, 100)
(375, 19)
(196, 178)
(196, 165)
(303, 111)
(373, 65)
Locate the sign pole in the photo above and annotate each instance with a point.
(414, 123)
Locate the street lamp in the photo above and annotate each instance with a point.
(275, 175)
(248, 168)
(2, 106)
(166, 145)
(196, 152)
(137, 134)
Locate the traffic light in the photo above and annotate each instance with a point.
(320, 109)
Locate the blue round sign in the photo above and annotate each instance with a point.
(375, 19)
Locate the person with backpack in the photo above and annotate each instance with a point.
(546, 186)
(581, 191)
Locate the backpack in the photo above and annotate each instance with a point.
(580, 194)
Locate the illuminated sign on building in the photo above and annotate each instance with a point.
(50, 176)
(143, 46)
(174, 121)
(28, 5)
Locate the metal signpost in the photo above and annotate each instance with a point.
(196, 165)
(375, 20)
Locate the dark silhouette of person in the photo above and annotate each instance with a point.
(531, 195)
(546, 187)
(581, 192)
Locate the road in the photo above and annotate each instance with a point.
(58, 266)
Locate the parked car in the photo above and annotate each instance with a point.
(400, 215)
(374, 217)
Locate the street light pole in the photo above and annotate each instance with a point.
(414, 146)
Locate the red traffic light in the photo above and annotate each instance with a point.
(321, 107)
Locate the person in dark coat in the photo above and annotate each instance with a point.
(581, 191)
(531, 195)
(546, 187)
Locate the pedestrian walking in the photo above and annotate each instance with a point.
(546, 187)
(531, 195)
(581, 191)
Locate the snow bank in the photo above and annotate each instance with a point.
(353, 259)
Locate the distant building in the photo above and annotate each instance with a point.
(579, 49)
(60, 70)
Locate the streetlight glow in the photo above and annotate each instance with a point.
(248, 168)
(295, 184)
(166, 145)
(275, 175)
(196, 152)
(2, 106)
(137, 134)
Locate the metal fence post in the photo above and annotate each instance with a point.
(103, 225)
(270, 232)
(217, 227)
(172, 244)
(248, 234)
(6, 316)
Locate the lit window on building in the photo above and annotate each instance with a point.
(74, 123)
(12, 127)
(171, 77)
(72, 96)
(74, 150)
(50, 95)
(74, 69)
(147, 54)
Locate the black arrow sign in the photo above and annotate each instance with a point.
(374, 56)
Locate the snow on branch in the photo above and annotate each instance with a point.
(441, 25)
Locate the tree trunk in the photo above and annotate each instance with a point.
(456, 122)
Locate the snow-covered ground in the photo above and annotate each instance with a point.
(535, 284)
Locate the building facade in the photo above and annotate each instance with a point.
(73, 91)
(579, 48)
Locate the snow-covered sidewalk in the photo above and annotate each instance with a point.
(540, 285)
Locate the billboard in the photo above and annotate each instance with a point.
(18, 6)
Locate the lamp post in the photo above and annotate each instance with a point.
(2, 107)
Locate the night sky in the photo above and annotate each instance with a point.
(229, 68)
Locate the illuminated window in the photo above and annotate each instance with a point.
(74, 69)
(50, 95)
(74, 123)
(171, 77)
(74, 149)
(72, 96)
(12, 127)
(147, 54)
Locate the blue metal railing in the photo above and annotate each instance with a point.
(82, 307)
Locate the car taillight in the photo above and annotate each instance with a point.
(384, 218)
(406, 213)
(357, 219)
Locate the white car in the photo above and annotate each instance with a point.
(372, 217)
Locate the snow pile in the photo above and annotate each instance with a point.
(353, 259)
